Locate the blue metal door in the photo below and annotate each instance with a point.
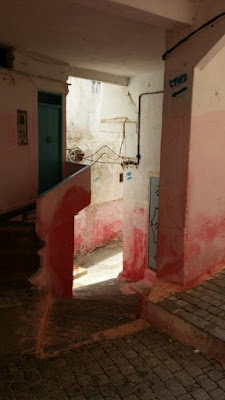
(153, 222)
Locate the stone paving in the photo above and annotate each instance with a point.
(21, 309)
(102, 264)
(147, 365)
(94, 308)
(203, 306)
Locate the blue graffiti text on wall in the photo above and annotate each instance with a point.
(178, 80)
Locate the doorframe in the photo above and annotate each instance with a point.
(60, 107)
(152, 174)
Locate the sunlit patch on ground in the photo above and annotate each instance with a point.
(101, 265)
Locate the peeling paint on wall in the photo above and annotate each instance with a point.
(112, 112)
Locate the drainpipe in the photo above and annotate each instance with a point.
(139, 122)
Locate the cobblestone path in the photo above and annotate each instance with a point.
(147, 365)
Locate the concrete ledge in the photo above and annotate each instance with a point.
(184, 331)
(112, 333)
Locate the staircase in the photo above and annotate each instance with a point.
(19, 244)
(47, 224)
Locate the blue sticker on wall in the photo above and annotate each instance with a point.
(129, 175)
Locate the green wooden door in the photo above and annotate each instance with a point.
(50, 139)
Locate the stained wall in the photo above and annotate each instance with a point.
(19, 91)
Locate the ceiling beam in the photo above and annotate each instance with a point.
(98, 76)
(182, 11)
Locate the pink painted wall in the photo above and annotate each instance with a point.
(190, 240)
(97, 225)
(205, 220)
(135, 245)
(136, 201)
(19, 164)
(55, 226)
(70, 168)
(18, 172)
(173, 181)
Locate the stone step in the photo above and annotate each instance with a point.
(16, 226)
(195, 317)
(17, 250)
(119, 331)
(18, 236)
(29, 217)
(26, 213)
(18, 268)
(19, 245)
(13, 259)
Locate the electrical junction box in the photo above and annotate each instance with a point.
(22, 138)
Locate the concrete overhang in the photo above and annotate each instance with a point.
(92, 35)
(98, 76)
(173, 11)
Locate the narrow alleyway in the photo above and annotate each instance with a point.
(112, 117)
(94, 348)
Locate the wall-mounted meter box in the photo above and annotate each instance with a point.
(22, 138)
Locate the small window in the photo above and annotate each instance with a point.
(121, 177)
(49, 98)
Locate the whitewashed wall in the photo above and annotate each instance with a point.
(99, 114)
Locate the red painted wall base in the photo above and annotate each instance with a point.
(135, 243)
(96, 225)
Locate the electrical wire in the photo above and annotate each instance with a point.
(113, 159)
(105, 145)
(87, 158)
(211, 21)
(124, 134)
(101, 162)
(121, 145)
